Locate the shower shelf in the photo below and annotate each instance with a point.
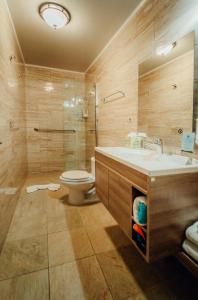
(55, 130)
(113, 97)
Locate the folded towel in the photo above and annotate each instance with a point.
(138, 229)
(191, 249)
(50, 186)
(192, 233)
(142, 213)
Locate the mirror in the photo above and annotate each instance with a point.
(165, 92)
(195, 105)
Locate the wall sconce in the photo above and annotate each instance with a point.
(166, 49)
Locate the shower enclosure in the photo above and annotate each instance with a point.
(60, 120)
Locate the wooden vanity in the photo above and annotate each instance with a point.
(172, 203)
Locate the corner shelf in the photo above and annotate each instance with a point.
(134, 235)
(139, 250)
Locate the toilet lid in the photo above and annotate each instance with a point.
(76, 175)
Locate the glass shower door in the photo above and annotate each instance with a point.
(79, 116)
(74, 126)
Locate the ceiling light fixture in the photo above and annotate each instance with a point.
(164, 50)
(55, 15)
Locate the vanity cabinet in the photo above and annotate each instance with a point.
(172, 204)
(102, 183)
(120, 194)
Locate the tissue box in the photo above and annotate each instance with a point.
(188, 141)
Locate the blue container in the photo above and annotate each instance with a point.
(142, 213)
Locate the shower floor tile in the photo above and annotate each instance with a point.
(81, 280)
(23, 256)
(96, 215)
(68, 220)
(83, 250)
(68, 246)
(26, 227)
(30, 286)
(107, 238)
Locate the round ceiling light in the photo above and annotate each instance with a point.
(54, 15)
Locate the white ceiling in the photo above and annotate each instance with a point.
(75, 46)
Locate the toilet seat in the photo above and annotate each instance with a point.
(80, 184)
(72, 182)
(76, 176)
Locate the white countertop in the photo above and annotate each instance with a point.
(148, 162)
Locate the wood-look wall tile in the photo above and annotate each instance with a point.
(13, 154)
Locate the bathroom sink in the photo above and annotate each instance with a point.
(127, 152)
(176, 159)
(150, 162)
(141, 151)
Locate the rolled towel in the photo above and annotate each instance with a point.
(191, 249)
(192, 233)
(139, 210)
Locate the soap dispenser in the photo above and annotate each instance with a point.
(136, 140)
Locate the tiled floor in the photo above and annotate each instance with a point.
(59, 252)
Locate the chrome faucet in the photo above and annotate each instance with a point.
(154, 141)
(159, 141)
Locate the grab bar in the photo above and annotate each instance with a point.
(55, 130)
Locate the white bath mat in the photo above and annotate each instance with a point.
(51, 186)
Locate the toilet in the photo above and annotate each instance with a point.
(79, 183)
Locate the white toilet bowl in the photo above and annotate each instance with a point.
(79, 183)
